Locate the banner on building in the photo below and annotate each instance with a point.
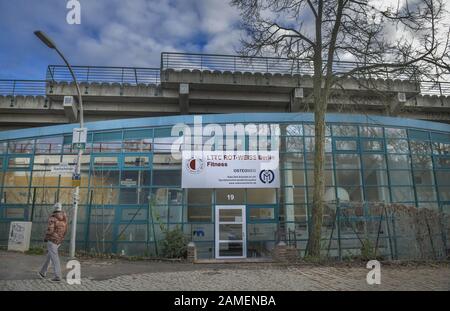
(233, 169)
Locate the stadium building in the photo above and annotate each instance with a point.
(387, 158)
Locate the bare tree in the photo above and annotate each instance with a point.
(382, 37)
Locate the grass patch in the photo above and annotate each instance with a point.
(35, 251)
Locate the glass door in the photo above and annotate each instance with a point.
(230, 231)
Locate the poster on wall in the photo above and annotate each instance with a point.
(222, 169)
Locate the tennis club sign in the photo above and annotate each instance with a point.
(233, 169)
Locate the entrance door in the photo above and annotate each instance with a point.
(231, 237)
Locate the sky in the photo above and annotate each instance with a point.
(129, 33)
(112, 32)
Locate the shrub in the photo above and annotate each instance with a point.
(367, 250)
(174, 244)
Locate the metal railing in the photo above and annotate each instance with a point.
(89, 74)
(22, 87)
(272, 65)
(435, 88)
(191, 61)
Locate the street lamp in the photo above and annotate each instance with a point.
(76, 194)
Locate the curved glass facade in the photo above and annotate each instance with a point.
(126, 162)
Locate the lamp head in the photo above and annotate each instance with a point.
(45, 39)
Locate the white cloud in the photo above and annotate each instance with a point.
(116, 32)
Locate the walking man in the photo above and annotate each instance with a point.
(56, 230)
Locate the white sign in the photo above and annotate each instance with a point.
(19, 236)
(128, 182)
(62, 169)
(79, 135)
(233, 169)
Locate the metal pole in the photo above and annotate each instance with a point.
(338, 212)
(76, 192)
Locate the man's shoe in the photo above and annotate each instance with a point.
(56, 280)
(42, 276)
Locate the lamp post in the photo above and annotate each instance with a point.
(76, 193)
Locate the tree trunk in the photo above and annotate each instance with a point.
(319, 178)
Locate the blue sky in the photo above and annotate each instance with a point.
(112, 32)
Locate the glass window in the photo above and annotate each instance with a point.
(3, 145)
(444, 193)
(19, 162)
(442, 162)
(293, 195)
(175, 213)
(50, 145)
(395, 133)
(160, 196)
(166, 177)
(397, 146)
(132, 233)
(262, 213)
(135, 178)
(21, 146)
(137, 145)
(328, 177)
(375, 178)
(443, 177)
(107, 142)
(423, 177)
(72, 159)
(44, 179)
(420, 147)
(199, 196)
(133, 195)
(400, 178)
(17, 179)
(373, 161)
(377, 194)
(371, 131)
(422, 161)
(347, 161)
(161, 161)
(199, 213)
(310, 160)
(112, 146)
(398, 161)
(309, 130)
(298, 178)
(345, 130)
(66, 196)
(426, 193)
(309, 144)
(294, 144)
(106, 161)
(163, 144)
(66, 180)
(348, 177)
(346, 145)
(100, 196)
(230, 196)
(261, 232)
(441, 148)
(402, 194)
(104, 178)
(419, 135)
(261, 196)
(14, 213)
(293, 129)
(372, 145)
(136, 161)
(15, 196)
(134, 214)
(44, 162)
(354, 192)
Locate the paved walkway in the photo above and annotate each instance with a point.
(18, 272)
